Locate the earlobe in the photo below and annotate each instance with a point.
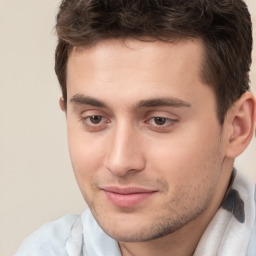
(242, 121)
(62, 104)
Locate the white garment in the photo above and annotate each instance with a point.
(232, 231)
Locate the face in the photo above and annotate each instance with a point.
(145, 142)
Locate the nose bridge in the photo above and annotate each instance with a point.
(125, 150)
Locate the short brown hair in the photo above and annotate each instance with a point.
(224, 26)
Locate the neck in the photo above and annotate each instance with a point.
(160, 248)
(180, 243)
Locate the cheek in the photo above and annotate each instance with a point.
(86, 155)
(191, 157)
(192, 174)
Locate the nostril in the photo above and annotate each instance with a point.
(123, 164)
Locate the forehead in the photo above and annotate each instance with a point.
(135, 68)
(130, 49)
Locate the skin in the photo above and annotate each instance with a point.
(139, 116)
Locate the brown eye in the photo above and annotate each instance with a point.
(160, 120)
(161, 124)
(95, 119)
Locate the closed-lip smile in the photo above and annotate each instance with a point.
(128, 196)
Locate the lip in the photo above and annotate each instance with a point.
(127, 197)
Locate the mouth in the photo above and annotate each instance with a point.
(127, 197)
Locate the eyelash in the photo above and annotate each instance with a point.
(160, 118)
(92, 127)
(87, 121)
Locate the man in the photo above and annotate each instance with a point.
(156, 95)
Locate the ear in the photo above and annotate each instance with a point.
(62, 104)
(241, 121)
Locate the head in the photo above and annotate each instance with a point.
(157, 108)
(223, 26)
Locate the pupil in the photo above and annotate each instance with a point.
(160, 120)
(95, 119)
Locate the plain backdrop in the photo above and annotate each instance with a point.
(37, 183)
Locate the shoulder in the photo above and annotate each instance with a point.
(50, 239)
(252, 244)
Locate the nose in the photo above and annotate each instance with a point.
(125, 153)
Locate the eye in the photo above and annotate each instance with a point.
(161, 124)
(160, 120)
(95, 119)
(95, 123)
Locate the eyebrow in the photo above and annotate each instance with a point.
(147, 103)
(85, 100)
(163, 102)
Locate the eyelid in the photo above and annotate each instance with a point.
(172, 119)
(87, 114)
(169, 122)
(165, 128)
(90, 116)
(168, 119)
(163, 114)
